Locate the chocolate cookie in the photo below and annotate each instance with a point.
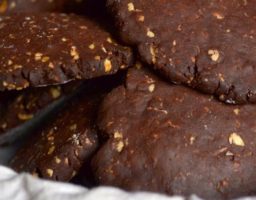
(22, 106)
(12, 6)
(67, 142)
(44, 49)
(173, 140)
(207, 45)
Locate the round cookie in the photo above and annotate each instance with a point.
(43, 49)
(170, 139)
(67, 142)
(207, 45)
(12, 6)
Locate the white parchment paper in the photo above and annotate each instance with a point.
(25, 187)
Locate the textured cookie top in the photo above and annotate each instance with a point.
(60, 149)
(44, 49)
(67, 141)
(12, 6)
(208, 45)
(166, 138)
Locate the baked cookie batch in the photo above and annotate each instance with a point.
(153, 95)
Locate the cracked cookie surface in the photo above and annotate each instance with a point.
(171, 139)
(44, 49)
(207, 45)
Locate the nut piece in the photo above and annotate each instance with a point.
(151, 88)
(236, 139)
(74, 53)
(218, 15)
(150, 33)
(119, 146)
(237, 111)
(107, 65)
(55, 92)
(25, 117)
(49, 172)
(214, 54)
(130, 7)
(153, 54)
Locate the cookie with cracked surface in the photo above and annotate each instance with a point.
(68, 141)
(12, 6)
(20, 107)
(165, 138)
(47, 48)
(207, 45)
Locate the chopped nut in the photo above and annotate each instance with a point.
(151, 88)
(118, 135)
(192, 140)
(73, 127)
(55, 92)
(10, 62)
(97, 57)
(229, 153)
(50, 65)
(130, 7)
(74, 173)
(221, 77)
(63, 39)
(218, 15)
(150, 33)
(214, 54)
(38, 56)
(236, 139)
(49, 172)
(107, 65)
(57, 160)
(237, 111)
(91, 46)
(50, 138)
(4, 126)
(153, 54)
(25, 117)
(119, 146)
(51, 150)
(45, 59)
(141, 18)
(74, 53)
(66, 161)
(109, 40)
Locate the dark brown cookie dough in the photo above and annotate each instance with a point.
(19, 107)
(66, 143)
(170, 139)
(12, 6)
(207, 45)
(44, 49)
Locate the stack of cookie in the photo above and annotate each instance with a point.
(179, 121)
